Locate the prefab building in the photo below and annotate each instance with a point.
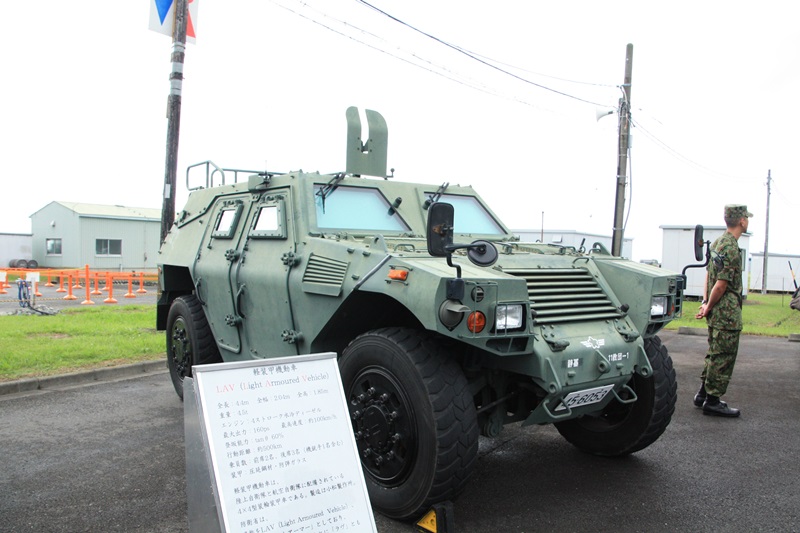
(678, 251)
(572, 238)
(105, 237)
(780, 277)
(14, 247)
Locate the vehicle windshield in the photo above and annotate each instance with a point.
(471, 216)
(355, 208)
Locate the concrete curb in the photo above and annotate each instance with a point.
(683, 330)
(81, 378)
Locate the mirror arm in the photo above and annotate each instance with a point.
(708, 258)
(455, 286)
(454, 247)
(451, 264)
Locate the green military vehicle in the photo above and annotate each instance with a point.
(446, 325)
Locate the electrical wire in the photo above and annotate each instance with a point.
(474, 57)
(577, 82)
(680, 157)
(630, 189)
(443, 71)
(783, 197)
(446, 73)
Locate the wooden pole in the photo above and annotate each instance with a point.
(622, 163)
(174, 116)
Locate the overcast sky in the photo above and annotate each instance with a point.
(508, 107)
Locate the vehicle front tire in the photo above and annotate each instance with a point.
(621, 429)
(413, 418)
(189, 340)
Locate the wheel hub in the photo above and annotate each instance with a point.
(181, 348)
(377, 426)
(383, 426)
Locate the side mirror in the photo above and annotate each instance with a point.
(698, 242)
(440, 229)
(482, 253)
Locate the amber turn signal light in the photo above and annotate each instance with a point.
(476, 321)
(398, 275)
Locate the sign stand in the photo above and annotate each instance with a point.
(270, 448)
(202, 506)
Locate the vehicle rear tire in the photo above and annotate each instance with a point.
(621, 429)
(189, 340)
(413, 418)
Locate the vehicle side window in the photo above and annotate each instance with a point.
(227, 219)
(270, 221)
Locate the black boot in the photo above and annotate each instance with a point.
(715, 407)
(700, 397)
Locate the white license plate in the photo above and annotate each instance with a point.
(584, 397)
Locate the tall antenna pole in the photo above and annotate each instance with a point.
(766, 235)
(622, 162)
(174, 116)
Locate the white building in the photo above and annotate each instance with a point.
(677, 251)
(107, 237)
(779, 275)
(14, 248)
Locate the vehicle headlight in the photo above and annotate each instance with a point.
(508, 317)
(658, 306)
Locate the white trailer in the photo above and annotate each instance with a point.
(678, 251)
(779, 275)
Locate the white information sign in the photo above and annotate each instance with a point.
(281, 446)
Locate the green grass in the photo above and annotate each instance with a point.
(93, 337)
(762, 314)
(78, 339)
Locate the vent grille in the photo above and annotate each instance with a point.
(565, 295)
(324, 275)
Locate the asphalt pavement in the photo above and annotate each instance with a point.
(53, 299)
(109, 456)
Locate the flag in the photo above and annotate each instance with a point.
(162, 18)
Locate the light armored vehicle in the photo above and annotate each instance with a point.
(446, 325)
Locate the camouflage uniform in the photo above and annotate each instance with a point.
(725, 320)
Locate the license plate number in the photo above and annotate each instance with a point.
(584, 397)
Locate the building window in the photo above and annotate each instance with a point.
(108, 247)
(53, 246)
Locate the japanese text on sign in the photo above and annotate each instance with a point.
(281, 446)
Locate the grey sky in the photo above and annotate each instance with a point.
(714, 93)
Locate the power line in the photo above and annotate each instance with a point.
(439, 70)
(474, 57)
(447, 74)
(680, 157)
(418, 61)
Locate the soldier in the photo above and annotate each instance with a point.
(722, 309)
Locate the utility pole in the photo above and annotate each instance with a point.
(174, 116)
(766, 235)
(622, 160)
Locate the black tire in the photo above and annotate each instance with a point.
(413, 417)
(32, 263)
(622, 429)
(189, 340)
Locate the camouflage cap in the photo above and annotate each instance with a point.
(737, 211)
